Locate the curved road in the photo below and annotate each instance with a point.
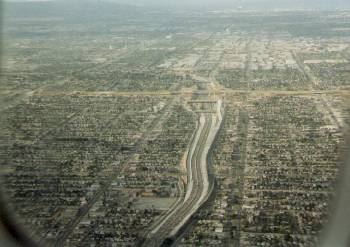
(197, 189)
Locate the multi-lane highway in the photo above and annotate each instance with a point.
(197, 187)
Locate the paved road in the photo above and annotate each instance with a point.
(198, 187)
(69, 228)
(195, 189)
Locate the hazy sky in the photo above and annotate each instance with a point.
(290, 3)
(235, 2)
(249, 4)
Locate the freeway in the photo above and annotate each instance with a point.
(198, 187)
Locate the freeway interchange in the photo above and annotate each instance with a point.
(198, 187)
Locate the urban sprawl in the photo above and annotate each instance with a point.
(158, 128)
